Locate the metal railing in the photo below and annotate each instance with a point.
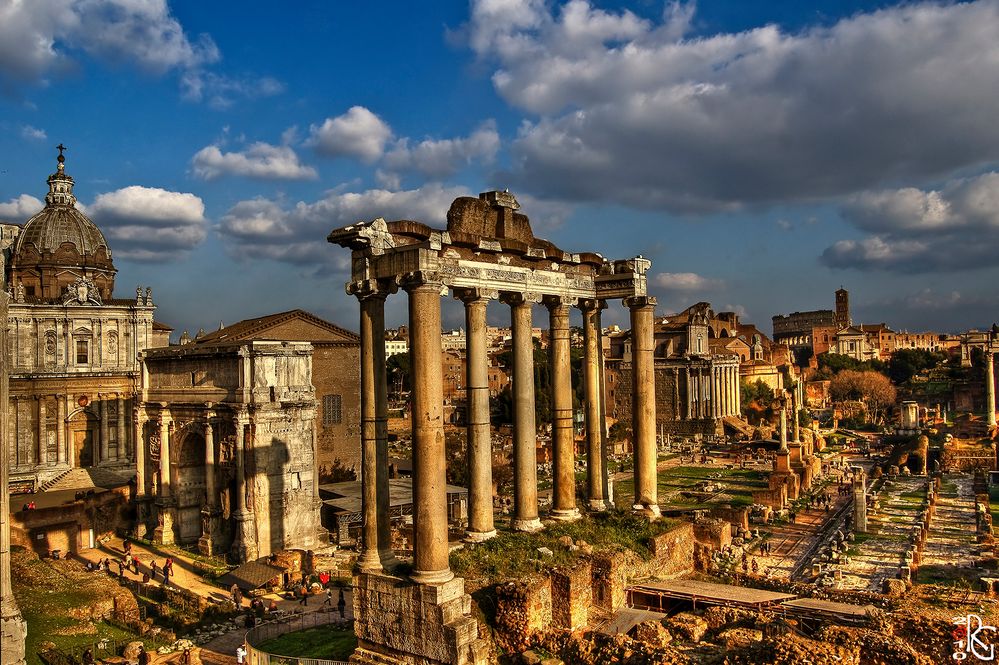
(290, 624)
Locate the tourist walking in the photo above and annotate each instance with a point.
(240, 655)
(304, 600)
(329, 598)
(341, 603)
(143, 656)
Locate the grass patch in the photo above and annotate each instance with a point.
(49, 593)
(511, 555)
(324, 642)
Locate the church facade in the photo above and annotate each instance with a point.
(73, 348)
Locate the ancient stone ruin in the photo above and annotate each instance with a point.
(488, 252)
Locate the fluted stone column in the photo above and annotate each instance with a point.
(564, 467)
(164, 457)
(990, 388)
(595, 469)
(13, 629)
(43, 457)
(246, 545)
(690, 393)
(211, 500)
(430, 546)
(163, 534)
(643, 401)
(122, 451)
(480, 462)
(525, 461)
(794, 415)
(102, 410)
(372, 332)
(60, 429)
(604, 437)
(138, 423)
(783, 425)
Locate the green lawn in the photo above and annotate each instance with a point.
(737, 486)
(511, 555)
(325, 642)
(48, 592)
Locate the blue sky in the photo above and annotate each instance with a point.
(762, 154)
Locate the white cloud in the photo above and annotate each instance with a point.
(221, 92)
(357, 133)
(685, 281)
(148, 223)
(443, 158)
(20, 209)
(33, 133)
(259, 160)
(39, 36)
(263, 228)
(629, 111)
(913, 230)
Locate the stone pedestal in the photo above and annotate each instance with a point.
(209, 544)
(401, 622)
(163, 533)
(246, 537)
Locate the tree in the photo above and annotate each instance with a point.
(873, 389)
(907, 363)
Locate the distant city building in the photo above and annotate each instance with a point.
(796, 329)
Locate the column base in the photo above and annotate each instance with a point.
(570, 515)
(432, 576)
(387, 557)
(650, 511)
(598, 505)
(479, 536)
(369, 562)
(526, 525)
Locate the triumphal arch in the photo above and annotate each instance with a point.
(488, 252)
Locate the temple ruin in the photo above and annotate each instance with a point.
(488, 252)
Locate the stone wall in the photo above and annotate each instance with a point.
(712, 532)
(399, 621)
(737, 517)
(523, 609)
(572, 595)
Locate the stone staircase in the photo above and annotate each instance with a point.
(82, 479)
(47, 485)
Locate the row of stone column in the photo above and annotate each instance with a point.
(39, 453)
(725, 387)
(430, 550)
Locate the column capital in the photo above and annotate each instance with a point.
(372, 288)
(515, 298)
(422, 279)
(639, 302)
(559, 302)
(588, 304)
(476, 294)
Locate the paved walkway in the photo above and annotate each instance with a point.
(951, 540)
(222, 649)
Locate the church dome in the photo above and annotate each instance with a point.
(58, 238)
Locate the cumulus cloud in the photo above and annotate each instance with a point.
(685, 281)
(442, 158)
(263, 228)
(40, 36)
(20, 209)
(638, 112)
(259, 160)
(940, 310)
(357, 133)
(33, 133)
(148, 223)
(913, 230)
(221, 92)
